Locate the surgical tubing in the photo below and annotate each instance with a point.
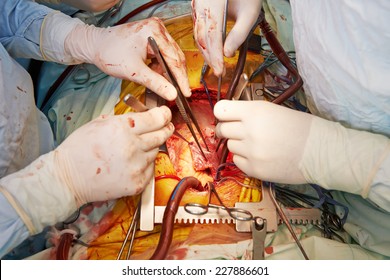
(66, 240)
(169, 216)
(239, 69)
(281, 54)
(232, 87)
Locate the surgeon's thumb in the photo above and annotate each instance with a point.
(233, 41)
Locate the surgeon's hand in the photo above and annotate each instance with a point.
(208, 20)
(267, 140)
(122, 51)
(113, 156)
(108, 158)
(281, 145)
(86, 5)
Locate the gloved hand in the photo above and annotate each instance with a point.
(109, 157)
(208, 21)
(277, 144)
(267, 140)
(86, 5)
(121, 51)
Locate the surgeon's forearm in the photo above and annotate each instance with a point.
(55, 28)
(20, 23)
(30, 30)
(13, 231)
(37, 194)
(348, 160)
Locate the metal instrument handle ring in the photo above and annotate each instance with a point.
(200, 209)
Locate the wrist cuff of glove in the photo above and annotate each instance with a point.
(83, 41)
(342, 159)
(55, 28)
(37, 195)
(19, 210)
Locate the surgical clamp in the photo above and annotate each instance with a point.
(201, 209)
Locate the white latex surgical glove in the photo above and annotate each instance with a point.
(86, 5)
(121, 51)
(108, 158)
(208, 21)
(267, 141)
(277, 144)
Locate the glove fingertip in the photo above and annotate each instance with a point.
(166, 91)
(229, 49)
(219, 70)
(218, 131)
(218, 108)
(187, 92)
(171, 94)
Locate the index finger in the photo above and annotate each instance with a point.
(228, 110)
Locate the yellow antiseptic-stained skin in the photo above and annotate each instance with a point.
(109, 242)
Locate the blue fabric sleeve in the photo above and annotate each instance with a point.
(20, 26)
(13, 231)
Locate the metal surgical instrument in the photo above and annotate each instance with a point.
(242, 83)
(205, 67)
(258, 224)
(110, 13)
(259, 231)
(181, 101)
(201, 209)
(223, 41)
(131, 231)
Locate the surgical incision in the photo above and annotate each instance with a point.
(183, 158)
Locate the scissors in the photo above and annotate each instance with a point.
(181, 101)
(201, 209)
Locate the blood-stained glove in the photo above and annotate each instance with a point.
(120, 51)
(86, 5)
(208, 21)
(277, 144)
(108, 158)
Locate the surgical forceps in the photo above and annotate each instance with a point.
(224, 24)
(131, 231)
(205, 68)
(181, 101)
(201, 209)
